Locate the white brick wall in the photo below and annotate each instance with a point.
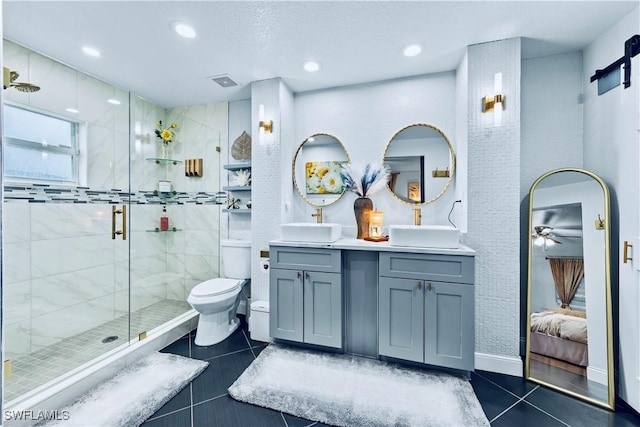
(266, 189)
(494, 197)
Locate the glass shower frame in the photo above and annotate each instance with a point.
(73, 292)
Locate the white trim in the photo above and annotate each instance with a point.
(508, 365)
(598, 375)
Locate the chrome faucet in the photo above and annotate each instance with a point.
(318, 215)
(417, 216)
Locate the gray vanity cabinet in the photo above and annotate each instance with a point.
(426, 308)
(306, 295)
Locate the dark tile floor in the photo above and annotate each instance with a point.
(507, 401)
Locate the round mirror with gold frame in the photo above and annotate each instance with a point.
(317, 164)
(422, 163)
(569, 313)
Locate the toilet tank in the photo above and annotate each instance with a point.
(236, 259)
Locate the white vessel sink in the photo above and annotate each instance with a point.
(310, 232)
(424, 236)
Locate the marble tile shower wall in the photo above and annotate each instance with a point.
(63, 273)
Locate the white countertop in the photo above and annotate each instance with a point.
(364, 245)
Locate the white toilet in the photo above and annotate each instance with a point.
(217, 299)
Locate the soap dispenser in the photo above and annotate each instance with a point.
(164, 219)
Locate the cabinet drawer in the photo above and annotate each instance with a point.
(442, 268)
(293, 258)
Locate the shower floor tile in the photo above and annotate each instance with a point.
(40, 367)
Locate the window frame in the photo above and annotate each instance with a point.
(73, 151)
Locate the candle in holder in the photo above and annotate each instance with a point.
(375, 224)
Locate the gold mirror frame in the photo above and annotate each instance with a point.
(293, 170)
(606, 224)
(451, 166)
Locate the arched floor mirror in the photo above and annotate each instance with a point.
(569, 313)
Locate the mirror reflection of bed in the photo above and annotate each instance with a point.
(567, 319)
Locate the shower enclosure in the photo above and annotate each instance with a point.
(87, 272)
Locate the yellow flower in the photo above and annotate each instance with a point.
(322, 171)
(166, 135)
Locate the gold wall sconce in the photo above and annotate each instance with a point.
(193, 167)
(440, 173)
(264, 126)
(495, 102)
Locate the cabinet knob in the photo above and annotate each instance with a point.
(306, 276)
(429, 288)
(419, 286)
(299, 275)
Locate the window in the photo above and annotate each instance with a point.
(39, 146)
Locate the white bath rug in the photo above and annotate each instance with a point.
(133, 395)
(352, 391)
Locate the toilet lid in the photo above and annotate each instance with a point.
(215, 287)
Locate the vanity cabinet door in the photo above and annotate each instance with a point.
(401, 311)
(323, 309)
(286, 299)
(449, 325)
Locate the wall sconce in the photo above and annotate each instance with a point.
(264, 126)
(495, 102)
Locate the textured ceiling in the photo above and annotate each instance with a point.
(356, 42)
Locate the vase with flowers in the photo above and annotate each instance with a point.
(166, 135)
(364, 180)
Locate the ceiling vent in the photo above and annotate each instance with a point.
(224, 80)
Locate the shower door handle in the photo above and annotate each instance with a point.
(123, 232)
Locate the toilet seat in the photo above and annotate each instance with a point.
(215, 287)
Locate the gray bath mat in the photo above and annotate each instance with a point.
(133, 395)
(352, 391)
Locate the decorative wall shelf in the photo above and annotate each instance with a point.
(159, 160)
(238, 211)
(237, 166)
(237, 188)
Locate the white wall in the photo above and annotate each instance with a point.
(268, 175)
(494, 204)
(611, 147)
(552, 108)
(364, 118)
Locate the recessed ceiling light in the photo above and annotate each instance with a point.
(311, 66)
(113, 101)
(91, 51)
(412, 49)
(184, 30)
(72, 110)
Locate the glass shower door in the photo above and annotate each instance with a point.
(65, 211)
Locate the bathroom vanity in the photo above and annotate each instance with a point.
(375, 300)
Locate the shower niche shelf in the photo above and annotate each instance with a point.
(159, 160)
(237, 188)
